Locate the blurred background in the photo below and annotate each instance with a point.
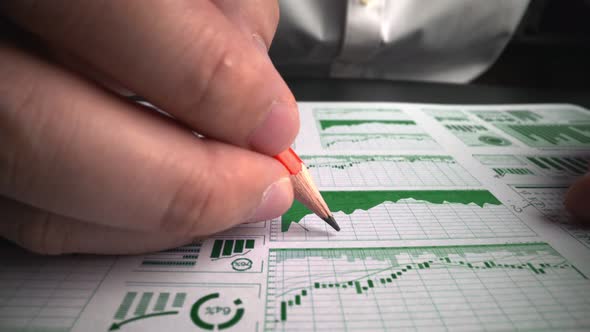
(551, 48)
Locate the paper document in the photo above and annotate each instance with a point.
(451, 215)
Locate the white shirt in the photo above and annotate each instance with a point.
(436, 40)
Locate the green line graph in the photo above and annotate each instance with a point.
(387, 170)
(471, 287)
(364, 141)
(403, 214)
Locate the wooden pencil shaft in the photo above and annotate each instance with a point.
(307, 193)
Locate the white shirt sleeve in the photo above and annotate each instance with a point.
(442, 40)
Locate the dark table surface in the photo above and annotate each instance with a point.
(419, 92)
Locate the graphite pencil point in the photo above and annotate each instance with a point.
(332, 222)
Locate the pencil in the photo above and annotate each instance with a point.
(304, 188)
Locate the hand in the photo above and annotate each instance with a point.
(84, 170)
(577, 199)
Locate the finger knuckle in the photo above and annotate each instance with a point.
(216, 60)
(189, 204)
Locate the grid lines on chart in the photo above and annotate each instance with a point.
(494, 287)
(46, 294)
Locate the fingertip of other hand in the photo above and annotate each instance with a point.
(577, 199)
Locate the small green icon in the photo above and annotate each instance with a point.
(214, 311)
(493, 140)
(140, 307)
(241, 264)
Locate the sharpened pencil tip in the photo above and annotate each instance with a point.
(332, 222)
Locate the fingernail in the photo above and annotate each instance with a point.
(276, 199)
(260, 44)
(277, 130)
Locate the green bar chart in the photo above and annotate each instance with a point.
(176, 258)
(141, 303)
(466, 128)
(561, 165)
(550, 135)
(424, 287)
(501, 171)
(231, 248)
(565, 165)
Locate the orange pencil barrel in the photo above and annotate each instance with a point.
(290, 160)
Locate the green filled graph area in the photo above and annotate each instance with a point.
(325, 124)
(231, 248)
(484, 287)
(387, 170)
(403, 214)
(181, 257)
(350, 201)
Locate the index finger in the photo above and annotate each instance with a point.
(185, 57)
